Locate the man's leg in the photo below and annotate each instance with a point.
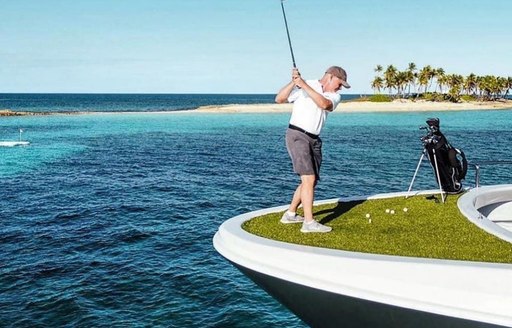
(290, 216)
(307, 195)
(295, 199)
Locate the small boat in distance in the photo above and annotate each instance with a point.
(14, 143)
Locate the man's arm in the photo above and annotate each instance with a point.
(282, 95)
(319, 99)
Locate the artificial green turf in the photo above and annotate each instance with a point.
(429, 229)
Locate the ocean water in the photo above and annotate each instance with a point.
(65, 102)
(107, 219)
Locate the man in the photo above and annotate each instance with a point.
(312, 101)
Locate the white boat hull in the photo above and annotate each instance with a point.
(333, 288)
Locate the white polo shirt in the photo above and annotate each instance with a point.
(306, 114)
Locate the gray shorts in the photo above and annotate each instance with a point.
(305, 152)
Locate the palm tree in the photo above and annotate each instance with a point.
(455, 83)
(502, 87)
(494, 87)
(470, 84)
(439, 73)
(411, 76)
(431, 76)
(480, 87)
(442, 81)
(377, 84)
(424, 76)
(390, 77)
(509, 86)
(401, 82)
(487, 85)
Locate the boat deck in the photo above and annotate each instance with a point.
(330, 288)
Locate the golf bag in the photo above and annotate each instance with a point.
(449, 163)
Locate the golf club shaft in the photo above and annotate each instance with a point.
(288, 34)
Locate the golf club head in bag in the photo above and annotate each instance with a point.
(449, 164)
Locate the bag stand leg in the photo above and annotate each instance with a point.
(438, 177)
(436, 173)
(415, 173)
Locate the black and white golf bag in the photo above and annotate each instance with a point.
(449, 163)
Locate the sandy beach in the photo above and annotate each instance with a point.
(364, 106)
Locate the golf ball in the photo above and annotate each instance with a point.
(387, 210)
(368, 215)
(392, 212)
(405, 209)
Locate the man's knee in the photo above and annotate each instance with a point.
(309, 180)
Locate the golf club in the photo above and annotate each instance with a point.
(288, 34)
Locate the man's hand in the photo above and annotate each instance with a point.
(297, 79)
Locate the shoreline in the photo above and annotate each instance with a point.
(399, 105)
(364, 106)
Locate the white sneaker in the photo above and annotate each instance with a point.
(314, 227)
(287, 218)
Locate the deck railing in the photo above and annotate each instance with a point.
(478, 165)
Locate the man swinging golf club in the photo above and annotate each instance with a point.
(312, 101)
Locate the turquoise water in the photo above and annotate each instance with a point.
(108, 219)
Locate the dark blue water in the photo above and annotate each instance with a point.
(108, 219)
(65, 102)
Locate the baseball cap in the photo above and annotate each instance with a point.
(339, 73)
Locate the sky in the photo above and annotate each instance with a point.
(240, 46)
